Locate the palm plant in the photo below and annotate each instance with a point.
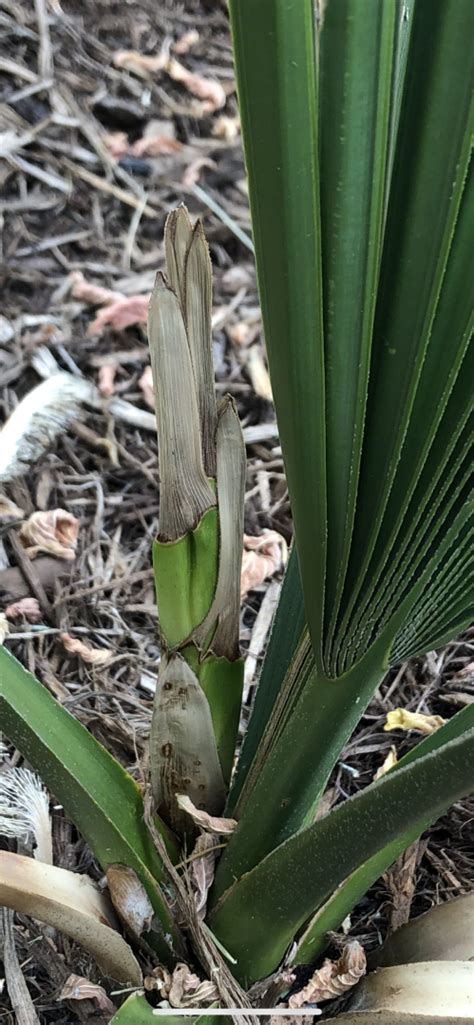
(361, 209)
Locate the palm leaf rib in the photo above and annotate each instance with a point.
(411, 277)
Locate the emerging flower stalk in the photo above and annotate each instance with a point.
(197, 554)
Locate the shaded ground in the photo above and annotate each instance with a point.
(95, 156)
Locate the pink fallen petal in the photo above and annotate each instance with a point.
(227, 128)
(207, 89)
(121, 314)
(94, 656)
(142, 64)
(27, 607)
(334, 978)
(107, 378)
(193, 171)
(116, 143)
(87, 292)
(262, 557)
(155, 146)
(54, 532)
(146, 385)
(184, 44)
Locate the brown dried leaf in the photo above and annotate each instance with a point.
(207, 89)
(202, 869)
(93, 656)
(401, 882)
(54, 532)
(211, 823)
(263, 556)
(402, 719)
(27, 607)
(106, 379)
(187, 990)
(78, 988)
(334, 978)
(183, 988)
(121, 313)
(146, 385)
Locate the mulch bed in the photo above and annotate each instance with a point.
(85, 189)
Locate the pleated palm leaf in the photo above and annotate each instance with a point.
(362, 212)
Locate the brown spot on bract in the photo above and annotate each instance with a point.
(167, 686)
(167, 750)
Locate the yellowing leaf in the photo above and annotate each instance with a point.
(388, 763)
(401, 719)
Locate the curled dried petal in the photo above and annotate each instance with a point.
(146, 385)
(106, 379)
(334, 978)
(402, 719)
(211, 823)
(27, 607)
(78, 988)
(54, 532)
(206, 89)
(263, 556)
(94, 656)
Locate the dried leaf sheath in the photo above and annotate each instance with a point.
(230, 490)
(183, 754)
(198, 312)
(185, 491)
(197, 554)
